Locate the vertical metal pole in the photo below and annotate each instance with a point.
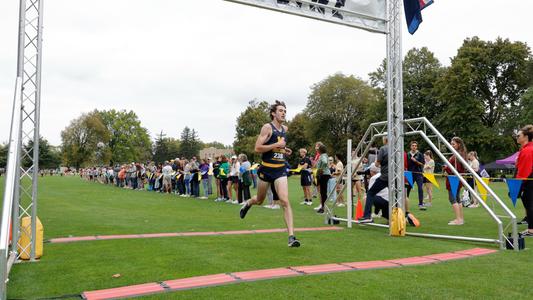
(395, 105)
(4, 273)
(20, 54)
(349, 196)
(9, 191)
(36, 132)
(20, 73)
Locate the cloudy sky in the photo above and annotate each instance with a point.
(198, 63)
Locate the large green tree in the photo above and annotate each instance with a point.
(248, 126)
(500, 76)
(165, 148)
(190, 144)
(3, 155)
(482, 94)
(525, 115)
(337, 108)
(82, 140)
(49, 156)
(421, 71)
(298, 136)
(128, 141)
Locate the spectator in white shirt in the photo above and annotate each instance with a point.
(167, 178)
(233, 182)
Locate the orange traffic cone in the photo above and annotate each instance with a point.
(359, 209)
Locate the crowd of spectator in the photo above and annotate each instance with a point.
(229, 179)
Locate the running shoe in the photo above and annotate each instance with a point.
(422, 207)
(522, 222)
(526, 233)
(318, 207)
(320, 211)
(244, 210)
(293, 242)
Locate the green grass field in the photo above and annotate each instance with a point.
(69, 206)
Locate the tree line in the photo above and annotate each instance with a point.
(49, 156)
(108, 138)
(114, 137)
(484, 96)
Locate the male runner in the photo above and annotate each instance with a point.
(272, 144)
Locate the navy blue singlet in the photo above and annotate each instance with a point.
(274, 158)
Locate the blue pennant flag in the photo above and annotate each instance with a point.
(514, 188)
(409, 176)
(454, 185)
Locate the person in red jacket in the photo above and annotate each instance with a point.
(524, 170)
(459, 146)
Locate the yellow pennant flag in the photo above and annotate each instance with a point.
(222, 173)
(481, 189)
(297, 170)
(178, 176)
(199, 176)
(254, 166)
(431, 178)
(315, 177)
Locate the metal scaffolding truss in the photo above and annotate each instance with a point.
(360, 14)
(441, 147)
(395, 104)
(20, 195)
(29, 70)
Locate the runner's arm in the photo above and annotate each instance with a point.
(288, 151)
(266, 132)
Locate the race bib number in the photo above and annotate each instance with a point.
(278, 156)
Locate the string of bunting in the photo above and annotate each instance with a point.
(513, 184)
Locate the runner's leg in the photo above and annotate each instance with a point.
(282, 190)
(262, 187)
